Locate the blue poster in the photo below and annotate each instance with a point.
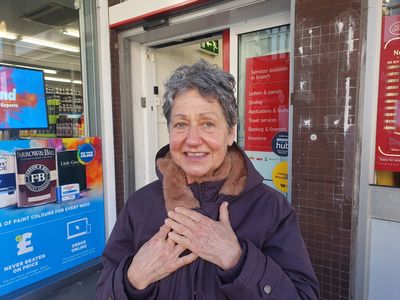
(52, 213)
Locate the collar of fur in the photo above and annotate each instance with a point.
(177, 192)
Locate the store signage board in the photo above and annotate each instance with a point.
(267, 117)
(387, 151)
(46, 228)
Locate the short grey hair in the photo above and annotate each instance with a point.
(210, 81)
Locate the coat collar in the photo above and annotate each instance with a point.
(229, 179)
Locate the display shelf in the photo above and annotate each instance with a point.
(71, 115)
(65, 114)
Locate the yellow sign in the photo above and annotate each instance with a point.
(280, 176)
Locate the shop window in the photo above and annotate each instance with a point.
(263, 100)
(40, 57)
(387, 150)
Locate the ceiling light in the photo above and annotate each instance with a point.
(65, 80)
(47, 71)
(7, 35)
(57, 79)
(71, 32)
(49, 44)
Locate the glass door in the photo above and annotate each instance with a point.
(263, 100)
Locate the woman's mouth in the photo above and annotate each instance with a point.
(195, 154)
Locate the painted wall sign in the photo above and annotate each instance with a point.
(267, 115)
(387, 152)
(42, 236)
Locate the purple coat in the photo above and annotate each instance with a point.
(274, 263)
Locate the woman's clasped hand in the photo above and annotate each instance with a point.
(213, 241)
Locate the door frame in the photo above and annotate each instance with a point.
(140, 115)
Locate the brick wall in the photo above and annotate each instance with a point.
(116, 104)
(326, 65)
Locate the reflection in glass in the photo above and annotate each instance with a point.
(44, 35)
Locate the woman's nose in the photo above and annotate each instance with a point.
(193, 138)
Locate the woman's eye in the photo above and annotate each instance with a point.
(180, 125)
(208, 124)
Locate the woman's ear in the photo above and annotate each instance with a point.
(231, 137)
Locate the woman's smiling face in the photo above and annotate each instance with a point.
(199, 135)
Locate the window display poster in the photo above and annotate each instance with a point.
(267, 117)
(52, 212)
(387, 152)
(22, 98)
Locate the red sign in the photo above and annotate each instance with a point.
(387, 152)
(267, 100)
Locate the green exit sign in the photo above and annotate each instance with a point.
(211, 47)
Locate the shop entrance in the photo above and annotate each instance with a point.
(169, 58)
(150, 68)
(256, 52)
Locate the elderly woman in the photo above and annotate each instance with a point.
(208, 228)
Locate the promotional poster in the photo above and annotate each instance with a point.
(36, 176)
(267, 117)
(22, 98)
(53, 217)
(387, 152)
(7, 181)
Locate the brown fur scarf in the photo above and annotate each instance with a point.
(177, 193)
